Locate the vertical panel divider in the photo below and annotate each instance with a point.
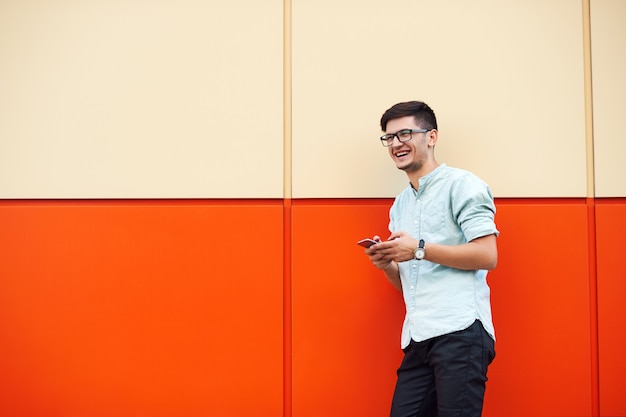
(287, 163)
(591, 212)
(287, 193)
(287, 311)
(593, 308)
(588, 86)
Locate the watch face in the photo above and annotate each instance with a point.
(419, 253)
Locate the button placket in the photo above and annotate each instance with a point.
(414, 263)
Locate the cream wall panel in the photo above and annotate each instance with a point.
(141, 99)
(608, 51)
(504, 77)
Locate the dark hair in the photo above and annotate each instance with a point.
(424, 115)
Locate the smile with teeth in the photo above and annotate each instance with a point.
(400, 154)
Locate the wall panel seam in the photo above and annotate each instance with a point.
(589, 146)
(287, 225)
(588, 86)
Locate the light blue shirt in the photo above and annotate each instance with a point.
(451, 207)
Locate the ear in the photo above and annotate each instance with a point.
(433, 135)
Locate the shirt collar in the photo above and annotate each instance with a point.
(423, 182)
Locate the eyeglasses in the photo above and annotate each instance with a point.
(403, 135)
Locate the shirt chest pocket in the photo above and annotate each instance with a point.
(433, 216)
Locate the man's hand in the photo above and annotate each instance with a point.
(385, 263)
(400, 247)
(378, 259)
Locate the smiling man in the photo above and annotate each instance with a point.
(442, 243)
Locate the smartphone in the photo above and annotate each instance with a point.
(366, 243)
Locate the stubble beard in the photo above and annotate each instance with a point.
(411, 167)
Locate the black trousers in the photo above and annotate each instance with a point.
(444, 376)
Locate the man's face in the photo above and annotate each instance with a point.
(409, 156)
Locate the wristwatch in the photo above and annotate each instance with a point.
(420, 251)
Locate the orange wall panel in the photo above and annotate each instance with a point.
(541, 308)
(611, 226)
(141, 309)
(346, 317)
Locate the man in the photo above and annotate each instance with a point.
(442, 242)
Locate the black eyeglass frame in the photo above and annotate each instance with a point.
(387, 139)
